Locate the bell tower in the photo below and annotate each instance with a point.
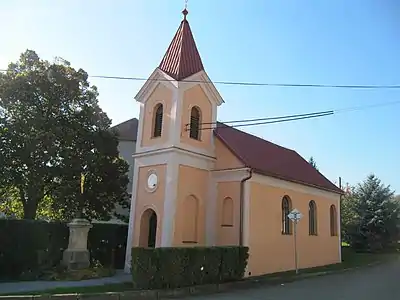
(172, 192)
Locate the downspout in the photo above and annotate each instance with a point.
(241, 225)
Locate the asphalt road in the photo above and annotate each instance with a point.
(372, 283)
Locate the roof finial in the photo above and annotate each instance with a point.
(185, 11)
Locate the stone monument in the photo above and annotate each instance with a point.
(77, 256)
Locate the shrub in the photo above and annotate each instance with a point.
(107, 244)
(163, 268)
(28, 247)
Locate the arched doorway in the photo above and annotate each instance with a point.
(148, 229)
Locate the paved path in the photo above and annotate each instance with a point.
(374, 283)
(30, 286)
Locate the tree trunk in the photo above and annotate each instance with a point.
(30, 208)
(30, 200)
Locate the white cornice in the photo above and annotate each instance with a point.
(205, 83)
(287, 185)
(172, 149)
(229, 175)
(157, 77)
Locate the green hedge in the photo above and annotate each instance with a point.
(163, 268)
(28, 247)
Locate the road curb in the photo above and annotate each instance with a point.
(248, 283)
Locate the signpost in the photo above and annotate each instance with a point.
(295, 217)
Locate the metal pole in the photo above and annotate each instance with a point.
(295, 246)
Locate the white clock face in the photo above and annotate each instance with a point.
(152, 181)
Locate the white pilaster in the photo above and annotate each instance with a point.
(171, 189)
(140, 129)
(211, 212)
(246, 214)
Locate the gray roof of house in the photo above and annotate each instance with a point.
(127, 130)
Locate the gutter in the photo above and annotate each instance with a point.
(241, 221)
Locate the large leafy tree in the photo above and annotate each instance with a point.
(51, 130)
(372, 215)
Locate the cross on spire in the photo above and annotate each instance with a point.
(185, 11)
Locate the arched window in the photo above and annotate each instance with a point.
(227, 212)
(333, 219)
(195, 123)
(312, 218)
(191, 209)
(286, 222)
(158, 120)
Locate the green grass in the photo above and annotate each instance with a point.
(350, 259)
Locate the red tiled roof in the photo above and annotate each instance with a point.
(182, 58)
(272, 160)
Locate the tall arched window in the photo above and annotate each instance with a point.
(333, 219)
(286, 222)
(312, 218)
(158, 120)
(195, 123)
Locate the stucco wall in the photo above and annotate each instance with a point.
(149, 200)
(195, 96)
(160, 95)
(270, 250)
(191, 182)
(228, 235)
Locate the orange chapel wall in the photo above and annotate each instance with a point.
(228, 218)
(193, 183)
(225, 158)
(163, 95)
(270, 250)
(195, 96)
(146, 200)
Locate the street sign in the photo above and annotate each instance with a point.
(295, 215)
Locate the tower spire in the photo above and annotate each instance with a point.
(182, 58)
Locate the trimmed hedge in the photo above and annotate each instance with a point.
(28, 247)
(164, 268)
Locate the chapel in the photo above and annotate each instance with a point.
(198, 182)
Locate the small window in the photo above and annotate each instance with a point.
(312, 218)
(195, 123)
(286, 222)
(333, 219)
(227, 212)
(158, 120)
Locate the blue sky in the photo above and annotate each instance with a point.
(320, 42)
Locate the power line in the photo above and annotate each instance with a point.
(287, 118)
(242, 83)
(272, 122)
(257, 83)
(314, 114)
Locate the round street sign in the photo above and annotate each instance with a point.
(295, 215)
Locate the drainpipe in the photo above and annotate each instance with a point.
(242, 182)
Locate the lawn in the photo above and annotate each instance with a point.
(350, 259)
